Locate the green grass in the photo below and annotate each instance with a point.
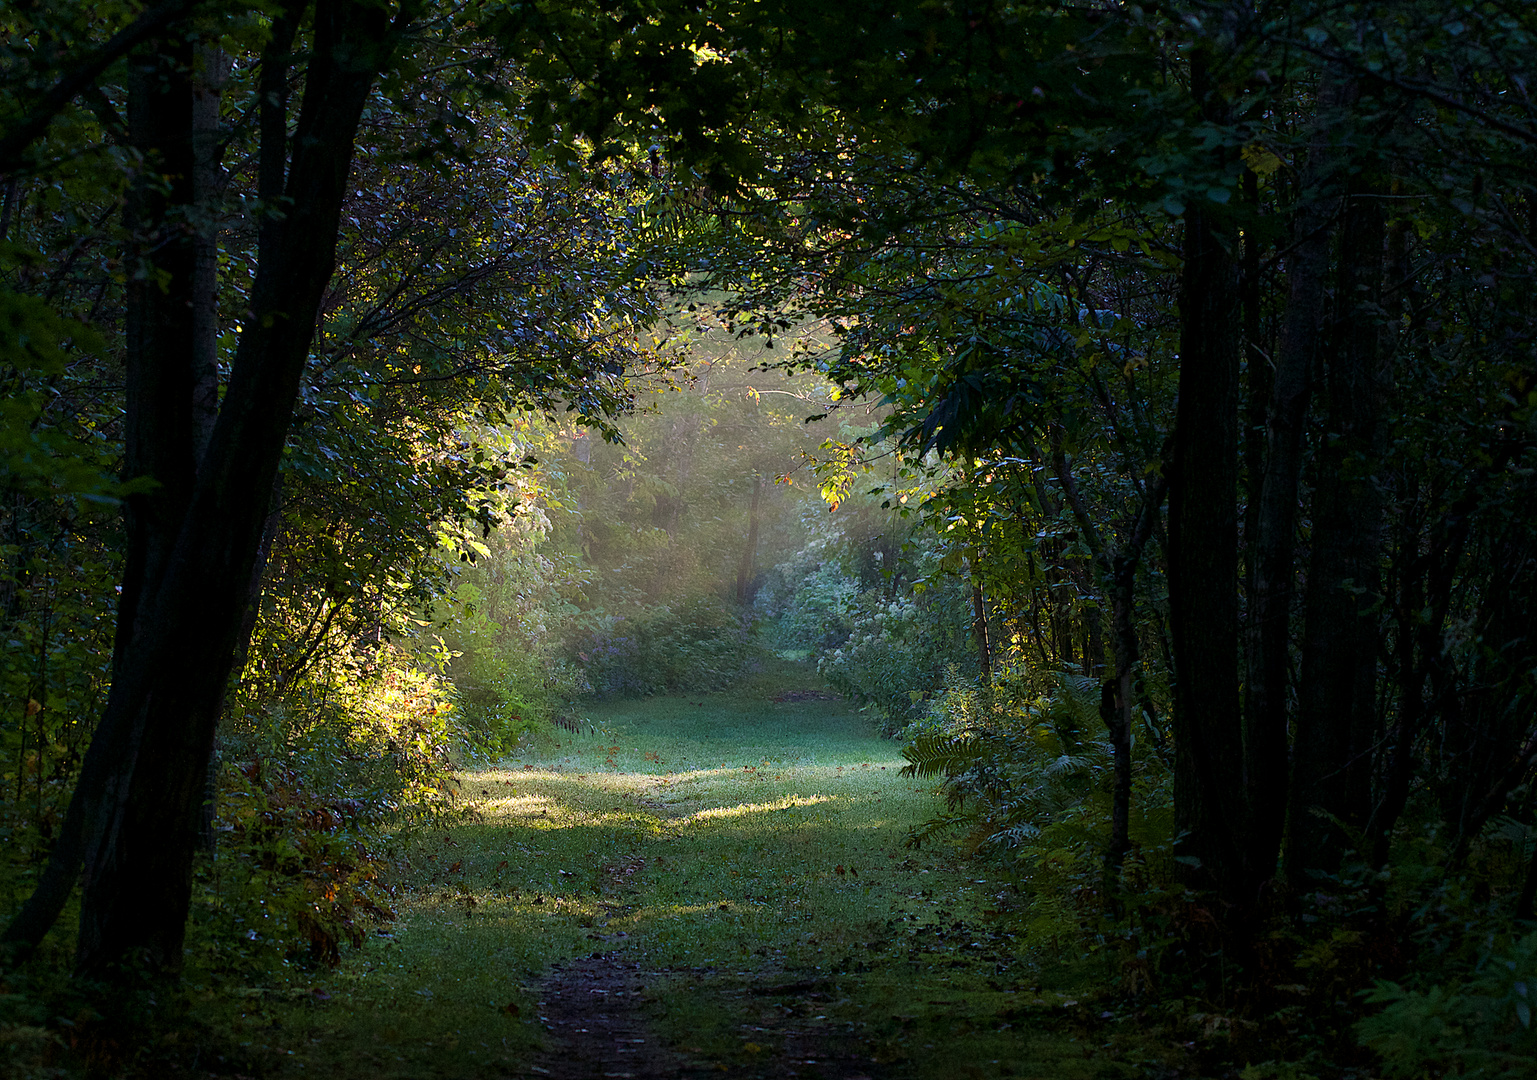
(721, 842)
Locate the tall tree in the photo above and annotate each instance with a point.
(134, 821)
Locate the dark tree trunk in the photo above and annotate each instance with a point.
(158, 433)
(1093, 634)
(1258, 380)
(1273, 537)
(1423, 605)
(133, 824)
(1332, 763)
(157, 444)
(1128, 662)
(1422, 597)
(979, 631)
(1493, 749)
(211, 72)
(1210, 811)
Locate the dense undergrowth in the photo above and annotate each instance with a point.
(1406, 971)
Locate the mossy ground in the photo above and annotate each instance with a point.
(745, 852)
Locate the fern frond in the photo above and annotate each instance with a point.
(934, 826)
(941, 755)
(1016, 834)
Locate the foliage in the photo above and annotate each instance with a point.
(309, 793)
(805, 603)
(1015, 757)
(1025, 768)
(696, 643)
(898, 651)
(1476, 1026)
(504, 625)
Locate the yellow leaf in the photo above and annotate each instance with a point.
(1261, 161)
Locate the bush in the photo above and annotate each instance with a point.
(697, 644)
(1478, 1026)
(898, 651)
(1026, 768)
(308, 791)
(504, 642)
(806, 606)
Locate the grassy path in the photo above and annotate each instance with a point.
(730, 870)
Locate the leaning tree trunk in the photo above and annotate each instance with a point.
(133, 823)
(158, 432)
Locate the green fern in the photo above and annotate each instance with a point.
(941, 755)
(1013, 761)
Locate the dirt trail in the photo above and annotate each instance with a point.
(591, 1008)
(593, 1011)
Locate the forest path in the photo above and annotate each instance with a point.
(711, 885)
(756, 803)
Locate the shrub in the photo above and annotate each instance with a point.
(697, 644)
(807, 606)
(308, 792)
(898, 651)
(1026, 770)
(506, 660)
(1478, 1026)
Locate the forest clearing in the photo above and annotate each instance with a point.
(736, 867)
(691, 886)
(896, 538)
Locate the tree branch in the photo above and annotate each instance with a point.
(14, 143)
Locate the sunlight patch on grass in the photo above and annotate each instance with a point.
(788, 802)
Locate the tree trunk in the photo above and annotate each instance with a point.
(1273, 540)
(1423, 607)
(207, 191)
(1332, 765)
(747, 568)
(1210, 812)
(1128, 663)
(979, 631)
(158, 433)
(134, 820)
